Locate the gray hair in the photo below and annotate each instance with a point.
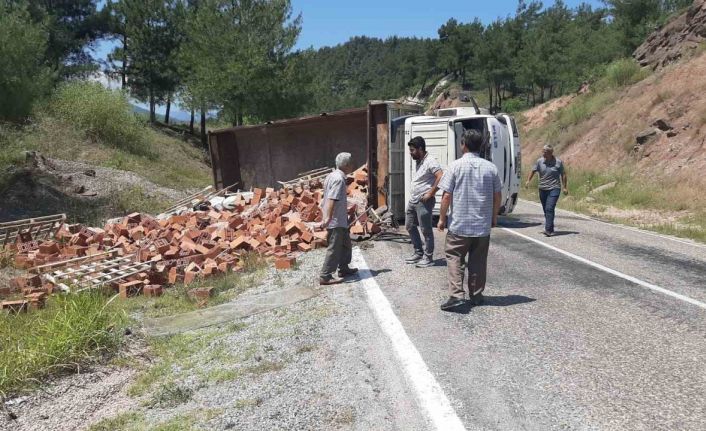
(343, 159)
(548, 147)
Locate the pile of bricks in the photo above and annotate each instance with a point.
(194, 244)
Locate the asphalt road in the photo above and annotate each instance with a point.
(561, 344)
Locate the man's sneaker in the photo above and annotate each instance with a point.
(477, 299)
(547, 233)
(425, 263)
(452, 303)
(413, 258)
(329, 281)
(347, 271)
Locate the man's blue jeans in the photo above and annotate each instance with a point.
(549, 199)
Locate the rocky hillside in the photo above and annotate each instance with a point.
(678, 39)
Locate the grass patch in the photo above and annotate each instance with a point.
(70, 331)
(247, 403)
(122, 422)
(178, 423)
(634, 193)
(170, 395)
(172, 351)
(135, 199)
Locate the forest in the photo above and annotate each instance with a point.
(238, 58)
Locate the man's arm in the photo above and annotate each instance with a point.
(432, 192)
(497, 197)
(443, 211)
(529, 178)
(328, 212)
(565, 182)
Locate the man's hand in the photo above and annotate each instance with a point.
(527, 184)
(566, 191)
(324, 223)
(441, 225)
(495, 221)
(426, 196)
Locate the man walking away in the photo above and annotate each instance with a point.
(550, 170)
(425, 180)
(335, 220)
(472, 188)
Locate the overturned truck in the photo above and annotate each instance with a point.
(376, 135)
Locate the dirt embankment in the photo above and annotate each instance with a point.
(656, 127)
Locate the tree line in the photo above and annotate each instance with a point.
(237, 57)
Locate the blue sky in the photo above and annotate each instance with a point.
(331, 22)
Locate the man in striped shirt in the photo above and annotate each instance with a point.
(471, 188)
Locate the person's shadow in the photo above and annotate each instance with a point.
(493, 301)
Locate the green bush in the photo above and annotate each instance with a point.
(104, 115)
(24, 77)
(72, 329)
(621, 73)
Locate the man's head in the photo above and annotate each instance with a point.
(344, 162)
(417, 148)
(472, 140)
(548, 151)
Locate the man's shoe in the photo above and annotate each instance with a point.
(330, 281)
(477, 299)
(425, 263)
(452, 303)
(413, 258)
(347, 271)
(547, 233)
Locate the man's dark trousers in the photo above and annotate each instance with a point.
(419, 214)
(338, 252)
(549, 199)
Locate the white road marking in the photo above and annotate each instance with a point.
(611, 271)
(430, 396)
(620, 226)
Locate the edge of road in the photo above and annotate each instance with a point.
(622, 226)
(430, 396)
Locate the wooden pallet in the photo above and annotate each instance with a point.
(38, 228)
(94, 274)
(306, 176)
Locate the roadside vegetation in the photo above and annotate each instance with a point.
(71, 331)
(633, 200)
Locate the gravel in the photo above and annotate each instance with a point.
(317, 364)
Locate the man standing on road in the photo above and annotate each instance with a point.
(335, 221)
(425, 180)
(471, 188)
(550, 171)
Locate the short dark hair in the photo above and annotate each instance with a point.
(472, 139)
(418, 143)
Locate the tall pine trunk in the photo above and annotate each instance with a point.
(169, 105)
(191, 121)
(203, 127)
(123, 72)
(152, 107)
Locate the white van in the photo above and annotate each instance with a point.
(442, 134)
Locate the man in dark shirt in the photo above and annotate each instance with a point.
(551, 171)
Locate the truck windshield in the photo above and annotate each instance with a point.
(478, 124)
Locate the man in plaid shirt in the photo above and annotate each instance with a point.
(471, 188)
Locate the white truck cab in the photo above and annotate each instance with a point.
(442, 133)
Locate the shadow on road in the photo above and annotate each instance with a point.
(505, 301)
(493, 301)
(393, 237)
(373, 273)
(517, 224)
(565, 232)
